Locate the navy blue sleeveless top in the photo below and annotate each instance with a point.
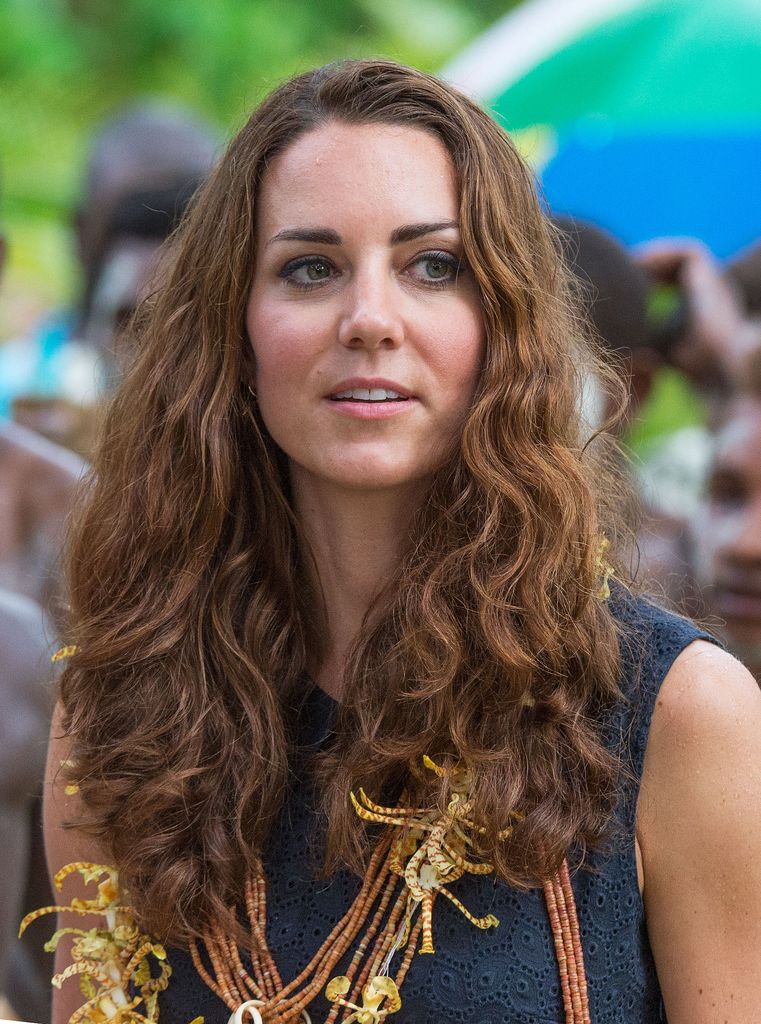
(509, 974)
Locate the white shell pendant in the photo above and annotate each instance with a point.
(248, 1013)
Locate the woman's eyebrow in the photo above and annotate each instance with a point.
(327, 236)
(320, 236)
(409, 232)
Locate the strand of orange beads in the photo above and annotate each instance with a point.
(234, 985)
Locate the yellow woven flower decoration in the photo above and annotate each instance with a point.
(604, 568)
(433, 850)
(380, 997)
(65, 652)
(111, 960)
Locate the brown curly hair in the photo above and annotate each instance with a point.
(189, 601)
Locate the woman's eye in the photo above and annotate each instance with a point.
(307, 271)
(437, 268)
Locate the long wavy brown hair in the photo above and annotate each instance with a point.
(188, 582)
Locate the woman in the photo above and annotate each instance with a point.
(344, 661)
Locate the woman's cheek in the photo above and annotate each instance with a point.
(460, 360)
(279, 354)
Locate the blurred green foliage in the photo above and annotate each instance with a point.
(671, 404)
(66, 64)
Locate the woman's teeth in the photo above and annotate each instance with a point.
(368, 395)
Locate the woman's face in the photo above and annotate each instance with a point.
(365, 323)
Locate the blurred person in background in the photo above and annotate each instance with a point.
(143, 168)
(36, 484)
(614, 293)
(726, 532)
(744, 273)
(708, 327)
(704, 326)
(144, 165)
(25, 709)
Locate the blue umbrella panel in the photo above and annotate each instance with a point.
(650, 185)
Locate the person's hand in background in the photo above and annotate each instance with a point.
(706, 334)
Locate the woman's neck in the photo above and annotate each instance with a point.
(357, 538)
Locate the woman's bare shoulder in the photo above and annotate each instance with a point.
(699, 830)
(707, 693)
(705, 734)
(64, 845)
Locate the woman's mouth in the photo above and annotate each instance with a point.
(371, 399)
(369, 395)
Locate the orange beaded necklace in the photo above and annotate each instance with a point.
(418, 858)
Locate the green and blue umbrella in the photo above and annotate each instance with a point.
(641, 115)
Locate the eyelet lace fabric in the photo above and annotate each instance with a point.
(508, 975)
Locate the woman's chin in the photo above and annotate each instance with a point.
(366, 475)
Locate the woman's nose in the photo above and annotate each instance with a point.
(372, 316)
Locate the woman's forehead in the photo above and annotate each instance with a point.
(341, 172)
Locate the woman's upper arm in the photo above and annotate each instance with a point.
(699, 830)
(64, 846)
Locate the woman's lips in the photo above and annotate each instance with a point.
(370, 410)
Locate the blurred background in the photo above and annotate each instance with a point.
(642, 121)
(66, 65)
